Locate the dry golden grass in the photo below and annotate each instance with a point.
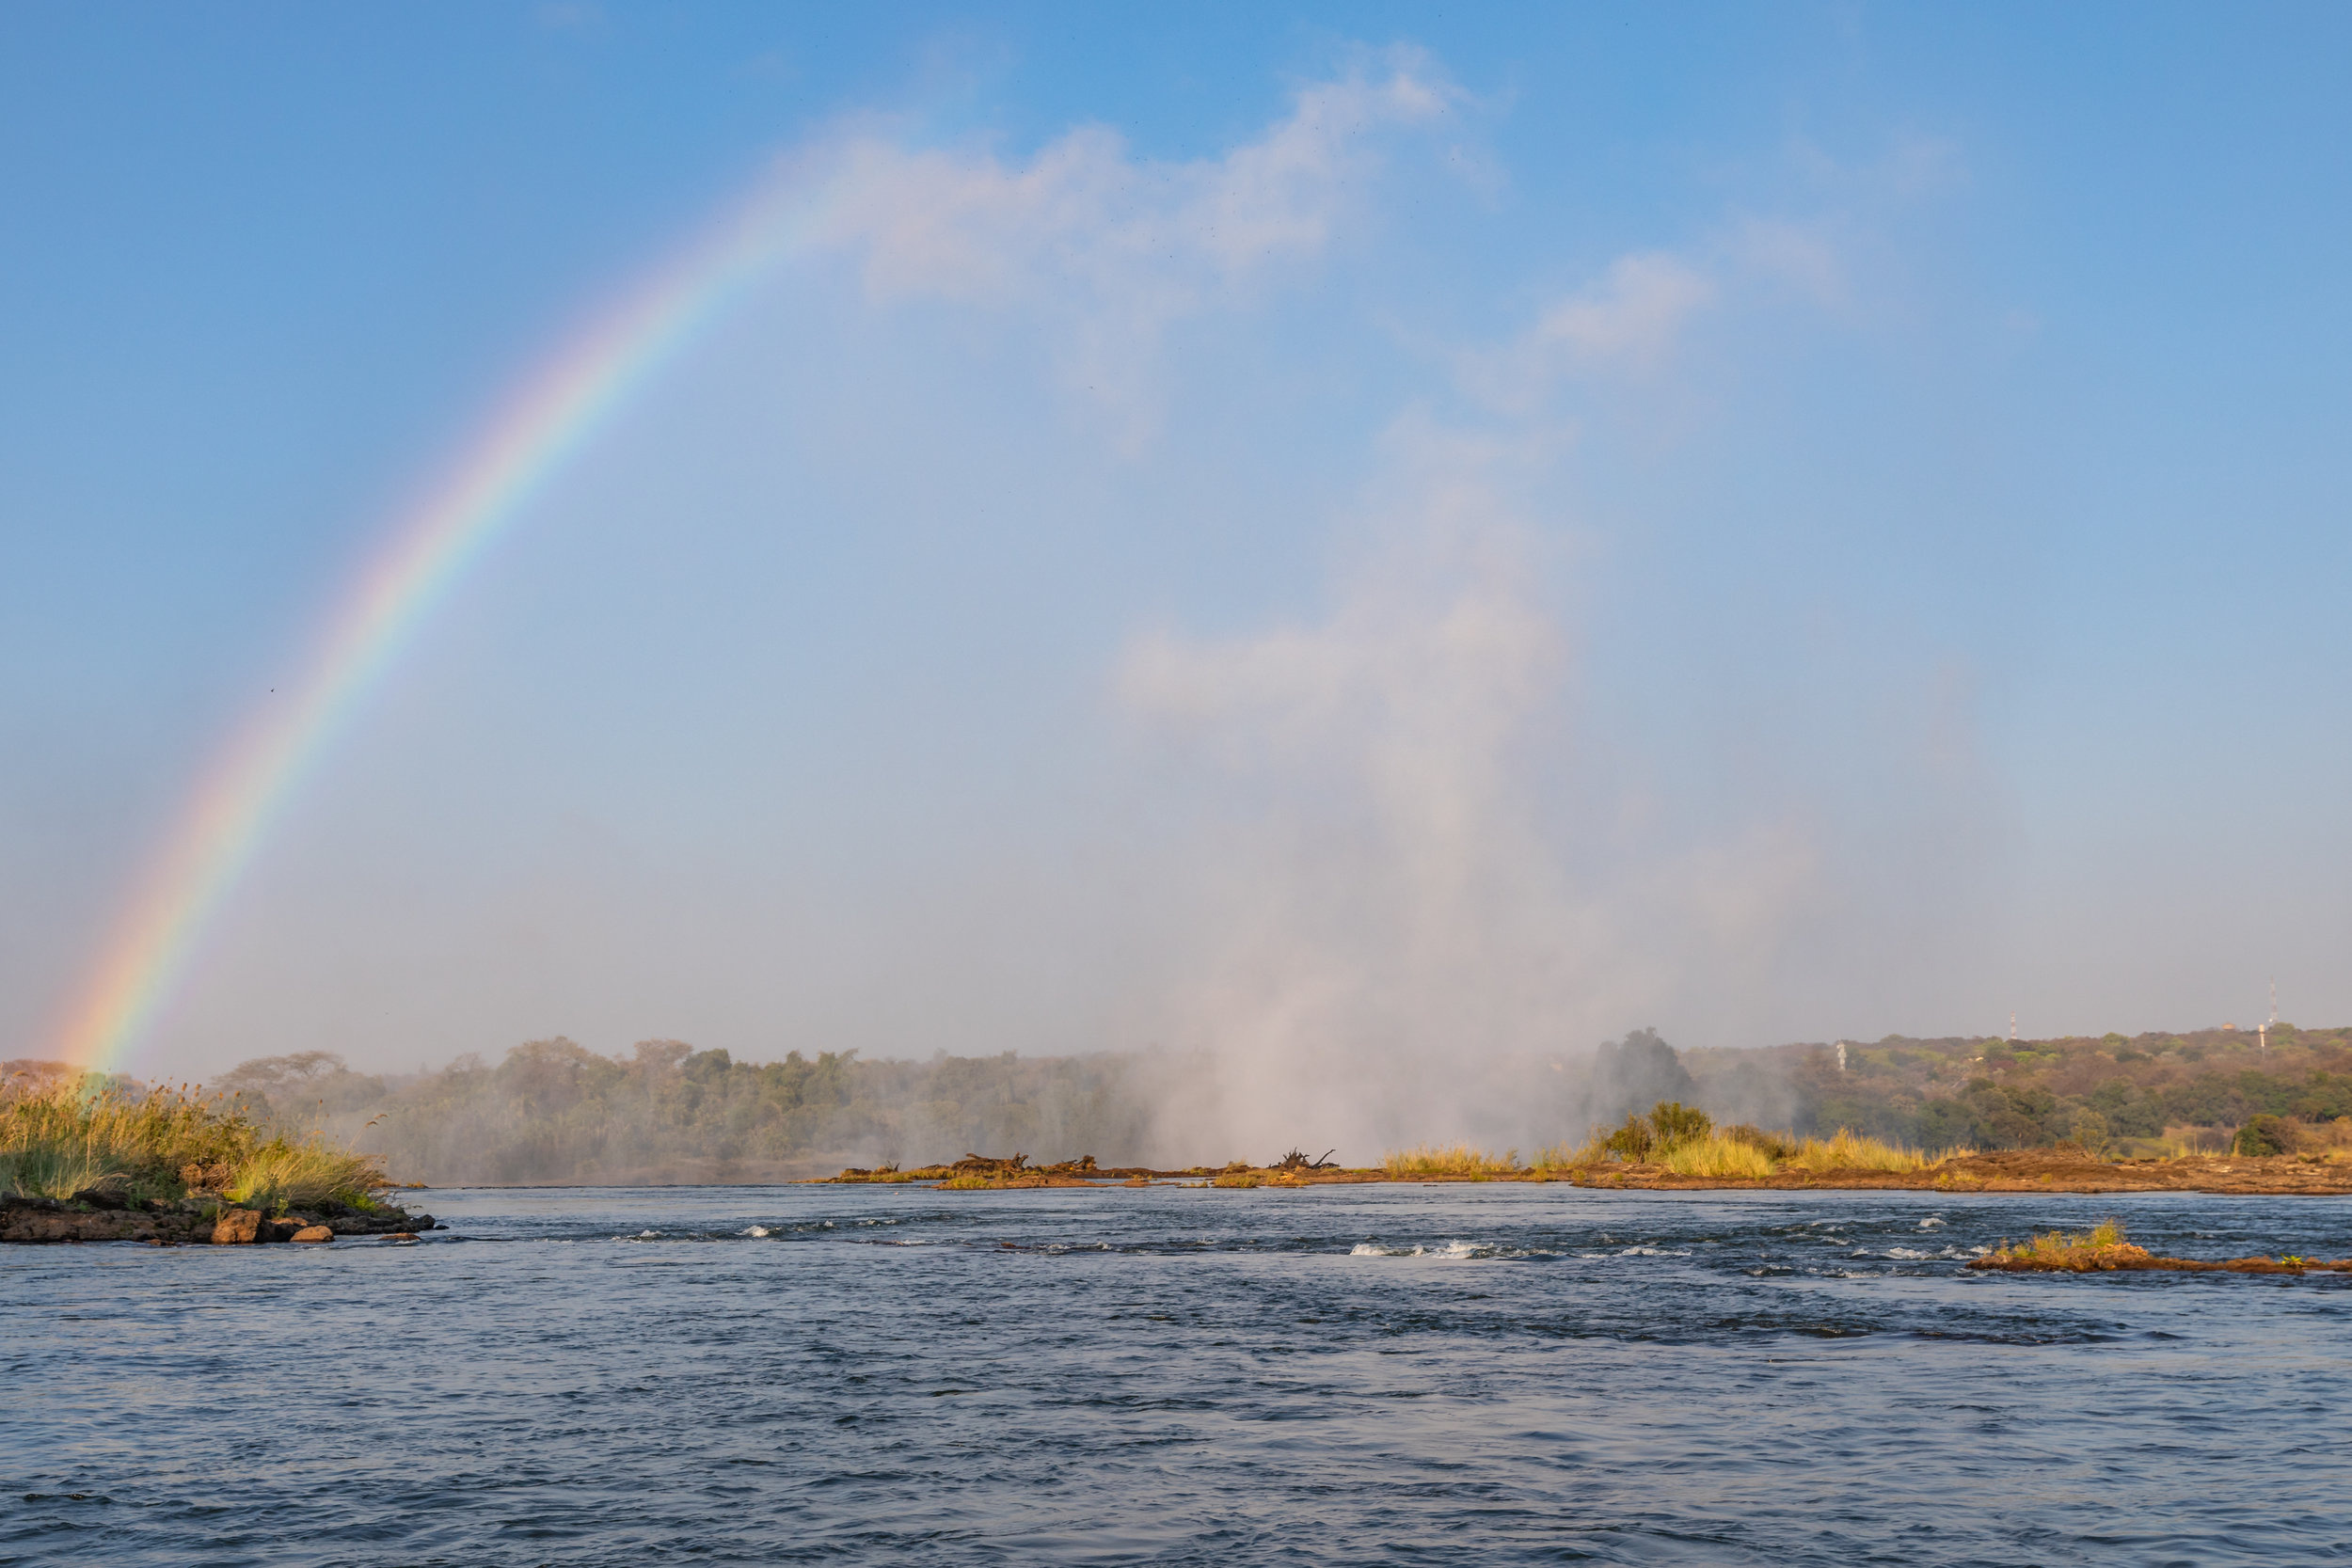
(890, 1176)
(1719, 1155)
(280, 1175)
(60, 1139)
(2102, 1245)
(1686, 1142)
(1850, 1150)
(976, 1182)
(1455, 1159)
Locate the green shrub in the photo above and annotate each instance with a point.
(2265, 1134)
(1677, 1123)
(1631, 1142)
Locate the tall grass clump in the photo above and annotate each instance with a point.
(280, 1175)
(2102, 1246)
(1718, 1154)
(1686, 1142)
(1849, 1150)
(51, 1172)
(58, 1138)
(85, 1132)
(1455, 1159)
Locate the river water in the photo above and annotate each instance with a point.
(1488, 1373)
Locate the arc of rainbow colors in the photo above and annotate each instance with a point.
(550, 415)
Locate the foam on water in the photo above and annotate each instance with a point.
(1444, 1249)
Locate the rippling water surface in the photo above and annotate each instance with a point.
(1339, 1375)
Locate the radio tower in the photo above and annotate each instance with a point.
(2013, 1027)
(2274, 1001)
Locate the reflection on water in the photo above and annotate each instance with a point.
(1339, 1375)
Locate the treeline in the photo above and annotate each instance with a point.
(554, 1111)
(2111, 1092)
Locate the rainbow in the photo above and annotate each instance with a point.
(549, 418)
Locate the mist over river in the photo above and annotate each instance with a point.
(1346, 1375)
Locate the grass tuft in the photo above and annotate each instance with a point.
(280, 1175)
(1719, 1155)
(1684, 1141)
(1849, 1150)
(2102, 1246)
(1455, 1159)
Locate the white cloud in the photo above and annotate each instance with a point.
(1626, 321)
(1632, 316)
(1115, 247)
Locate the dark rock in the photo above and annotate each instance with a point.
(101, 1197)
(237, 1227)
(32, 1225)
(66, 1224)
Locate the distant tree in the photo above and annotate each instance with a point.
(1677, 1123)
(1639, 1069)
(2265, 1134)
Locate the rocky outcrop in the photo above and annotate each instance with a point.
(102, 1215)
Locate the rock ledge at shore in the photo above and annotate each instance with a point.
(102, 1216)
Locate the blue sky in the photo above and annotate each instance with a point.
(1777, 522)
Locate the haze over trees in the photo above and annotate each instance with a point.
(553, 1111)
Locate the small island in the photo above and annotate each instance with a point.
(88, 1159)
(2103, 1250)
(1676, 1146)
